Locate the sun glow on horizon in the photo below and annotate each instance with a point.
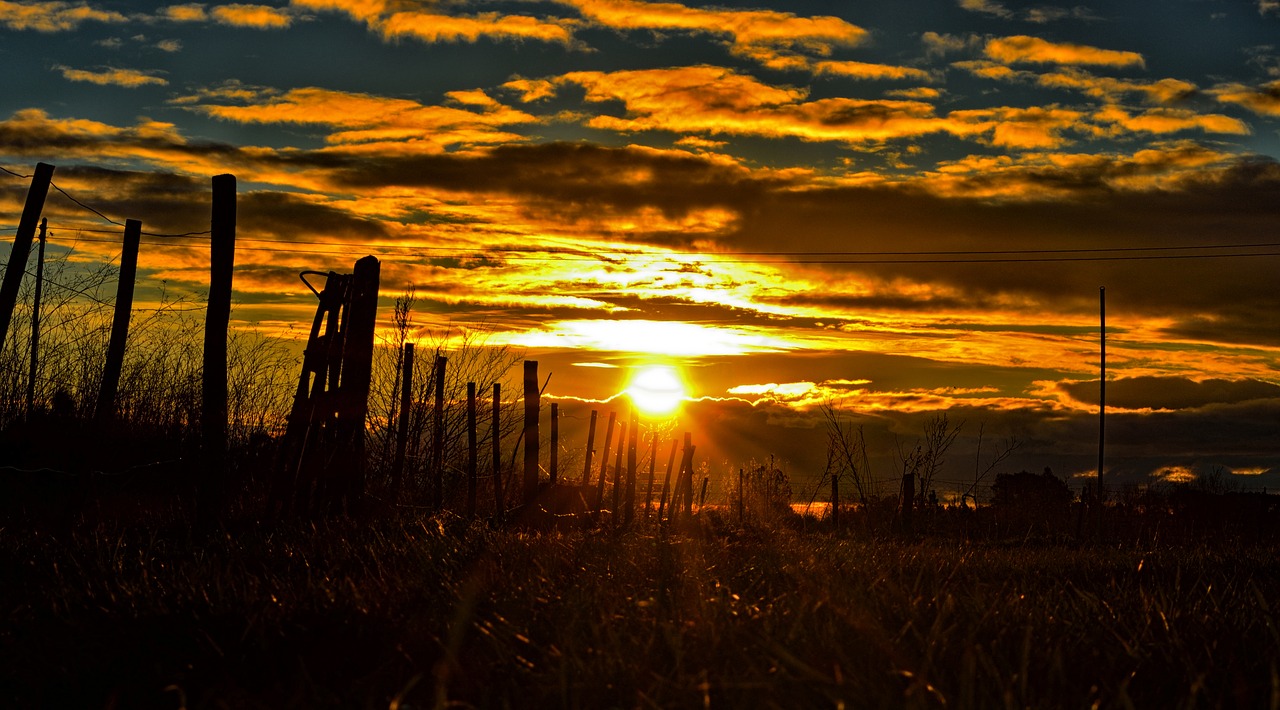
(656, 390)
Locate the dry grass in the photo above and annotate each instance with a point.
(419, 612)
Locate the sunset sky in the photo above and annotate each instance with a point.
(903, 208)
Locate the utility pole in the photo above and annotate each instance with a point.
(1102, 384)
(35, 322)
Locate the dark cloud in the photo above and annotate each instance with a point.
(1171, 392)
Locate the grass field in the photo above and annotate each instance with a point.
(420, 612)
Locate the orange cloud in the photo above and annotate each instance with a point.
(745, 27)
(864, 70)
(1117, 121)
(1163, 91)
(1025, 49)
(392, 22)
(128, 78)
(1264, 101)
(531, 90)
(52, 16)
(376, 121)
(262, 17)
(192, 12)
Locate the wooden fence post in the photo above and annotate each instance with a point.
(908, 502)
(213, 417)
(653, 457)
(629, 505)
(499, 507)
(119, 321)
(360, 322)
(591, 442)
(686, 475)
(472, 464)
(617, 474)
(437, 436)
(742, 492)
(604, 461)
(835, 501)
(666, 482)
(17, 265)
(555, 442)
(531, 402)
(402, 428)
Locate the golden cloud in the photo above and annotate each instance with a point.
(1025, 49)
(1264, 101)
(1117, 121)
(531, 90)
(1164, 91)
(192, 12)
(128, 78)
(262, 17)
(376, 120)
(53, 16)
(864, 70)
(392, 22)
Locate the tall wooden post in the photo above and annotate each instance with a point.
(437, 436)
(499, 504)
(34, 372)
(629, 505)
(531, 406)
(908, 502)
(402, 427)
(120, 321)
(666, 482)
(472, 463)
(686, 475)
(617, 474)
(22, 245)
(555, 442)
(213, 416)
(591, 442)
(653, 459)
(604, 461)
(359, 323)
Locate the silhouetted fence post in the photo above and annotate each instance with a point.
(835, 501)
(653, 458)
(360, 321)
(604, 461)
(742, 493)
(591, 442)
(666, 482)
(499, 508)
(615, 505)
(629, 504)
(908, 502)
(531, 403)
(33, 373)
(120, 321)
(472, 463)
(554, 472)
(212, 488)
(437, 436)
(402, 427)
(17, 265)
(686, 475)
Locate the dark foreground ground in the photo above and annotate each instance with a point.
(419, 612)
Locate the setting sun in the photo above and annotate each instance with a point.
(656, 390)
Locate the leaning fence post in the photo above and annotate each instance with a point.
(22, 245)
(213, 416)
(531, 402)
(617, 474)
(604, 461)
(33, 372)
(119, 321)
(555, 442)
(908, 501)
(472, 473)
(591, 442)
(666, 482)
(437, 436)
(356, 376)
(653, 456)
(402, 428)
(630, 503)
(499, 507)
